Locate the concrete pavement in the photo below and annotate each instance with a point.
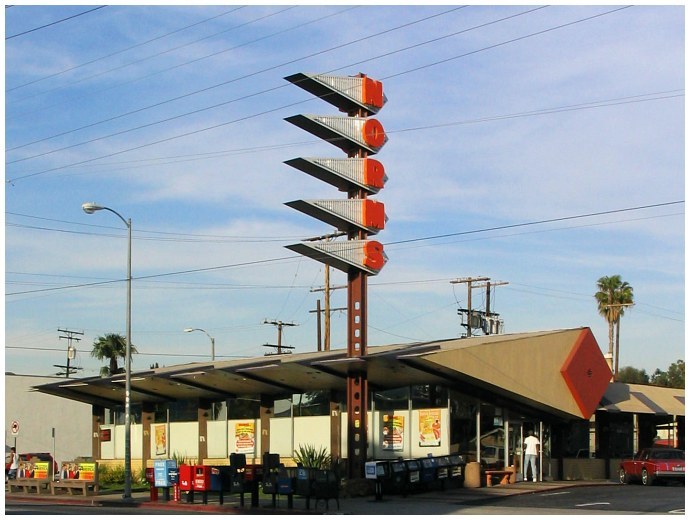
(450, 501)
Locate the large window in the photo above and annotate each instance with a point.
(429, 396)
(463, 426)
(243, 408)
(395, 399)
(311, 403)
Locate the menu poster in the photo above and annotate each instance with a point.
(392, 432)
(244, 437)
(430, 428)
(161, 436)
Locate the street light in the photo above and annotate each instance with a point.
(90, 208)
(213, 341)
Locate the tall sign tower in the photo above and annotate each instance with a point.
(359, 136)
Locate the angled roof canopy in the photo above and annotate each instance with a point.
(557, 372)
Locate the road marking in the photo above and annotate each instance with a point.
(557, 493)
(594, 504)
(677, 511)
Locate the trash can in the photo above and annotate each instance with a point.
(473, 475)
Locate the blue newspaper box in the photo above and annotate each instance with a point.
(428, 469)
(164, 473)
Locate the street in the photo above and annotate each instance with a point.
(573, 500)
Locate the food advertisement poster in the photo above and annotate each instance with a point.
(430, 427)
(392, 432)
(244, 437)
(161, 436)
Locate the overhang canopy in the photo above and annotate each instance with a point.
(558, 372)
(645, 399)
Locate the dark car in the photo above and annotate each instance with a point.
(654, 464)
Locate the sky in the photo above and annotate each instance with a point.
(539, 147)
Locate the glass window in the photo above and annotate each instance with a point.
(311, 403)
(395, 399)
(282, 406)
(463, 426)
(243, 408)
(429, 396)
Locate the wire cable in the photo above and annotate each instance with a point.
(55, 23)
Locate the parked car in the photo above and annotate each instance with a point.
(653, 464)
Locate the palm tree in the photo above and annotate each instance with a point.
(612, 296)
(111, 347)
(624, 298)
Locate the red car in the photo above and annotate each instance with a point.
(654, 464)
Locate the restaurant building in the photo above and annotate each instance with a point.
(477, 396)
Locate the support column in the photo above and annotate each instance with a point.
(203, 412)
(148, 416)
(97, 418)
(265, 414)
(334, 411)
(357, 379)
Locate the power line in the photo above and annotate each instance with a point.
(224, 83)
(420, 239)
(55, 23)
(123, 50)
(155, 55)
(219, 125)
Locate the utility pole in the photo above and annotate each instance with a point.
(328, 311)
(486, 316)
(487, 330)
(327, 295)
(280, 325)
(71, 335)
(469, 282)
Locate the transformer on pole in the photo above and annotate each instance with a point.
(359, 136)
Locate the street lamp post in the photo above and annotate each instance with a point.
(213, 341)
(90, 208)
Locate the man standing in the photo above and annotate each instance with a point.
(531, 452)
(14, 464)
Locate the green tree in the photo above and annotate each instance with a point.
(613, 296)
(674, 377)
(632, 375)
(111, 347)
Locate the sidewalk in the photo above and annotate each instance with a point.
(450, 501)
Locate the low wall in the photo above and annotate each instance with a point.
(586, 469)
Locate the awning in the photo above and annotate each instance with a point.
(644, 399)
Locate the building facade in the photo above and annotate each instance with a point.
(478, 397)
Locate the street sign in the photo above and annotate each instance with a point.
(15, 428)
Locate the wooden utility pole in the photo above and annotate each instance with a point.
(469, 282)
(280, 325)
(71, 336)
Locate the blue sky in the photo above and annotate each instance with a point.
(497, 116)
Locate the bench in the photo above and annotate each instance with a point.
(26, 484)
(77, 475)
(33, 474)
(503, 474)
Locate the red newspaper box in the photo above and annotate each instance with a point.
(186, 478)
(202, 478)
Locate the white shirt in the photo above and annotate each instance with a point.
(14, 462)
(531, 445)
